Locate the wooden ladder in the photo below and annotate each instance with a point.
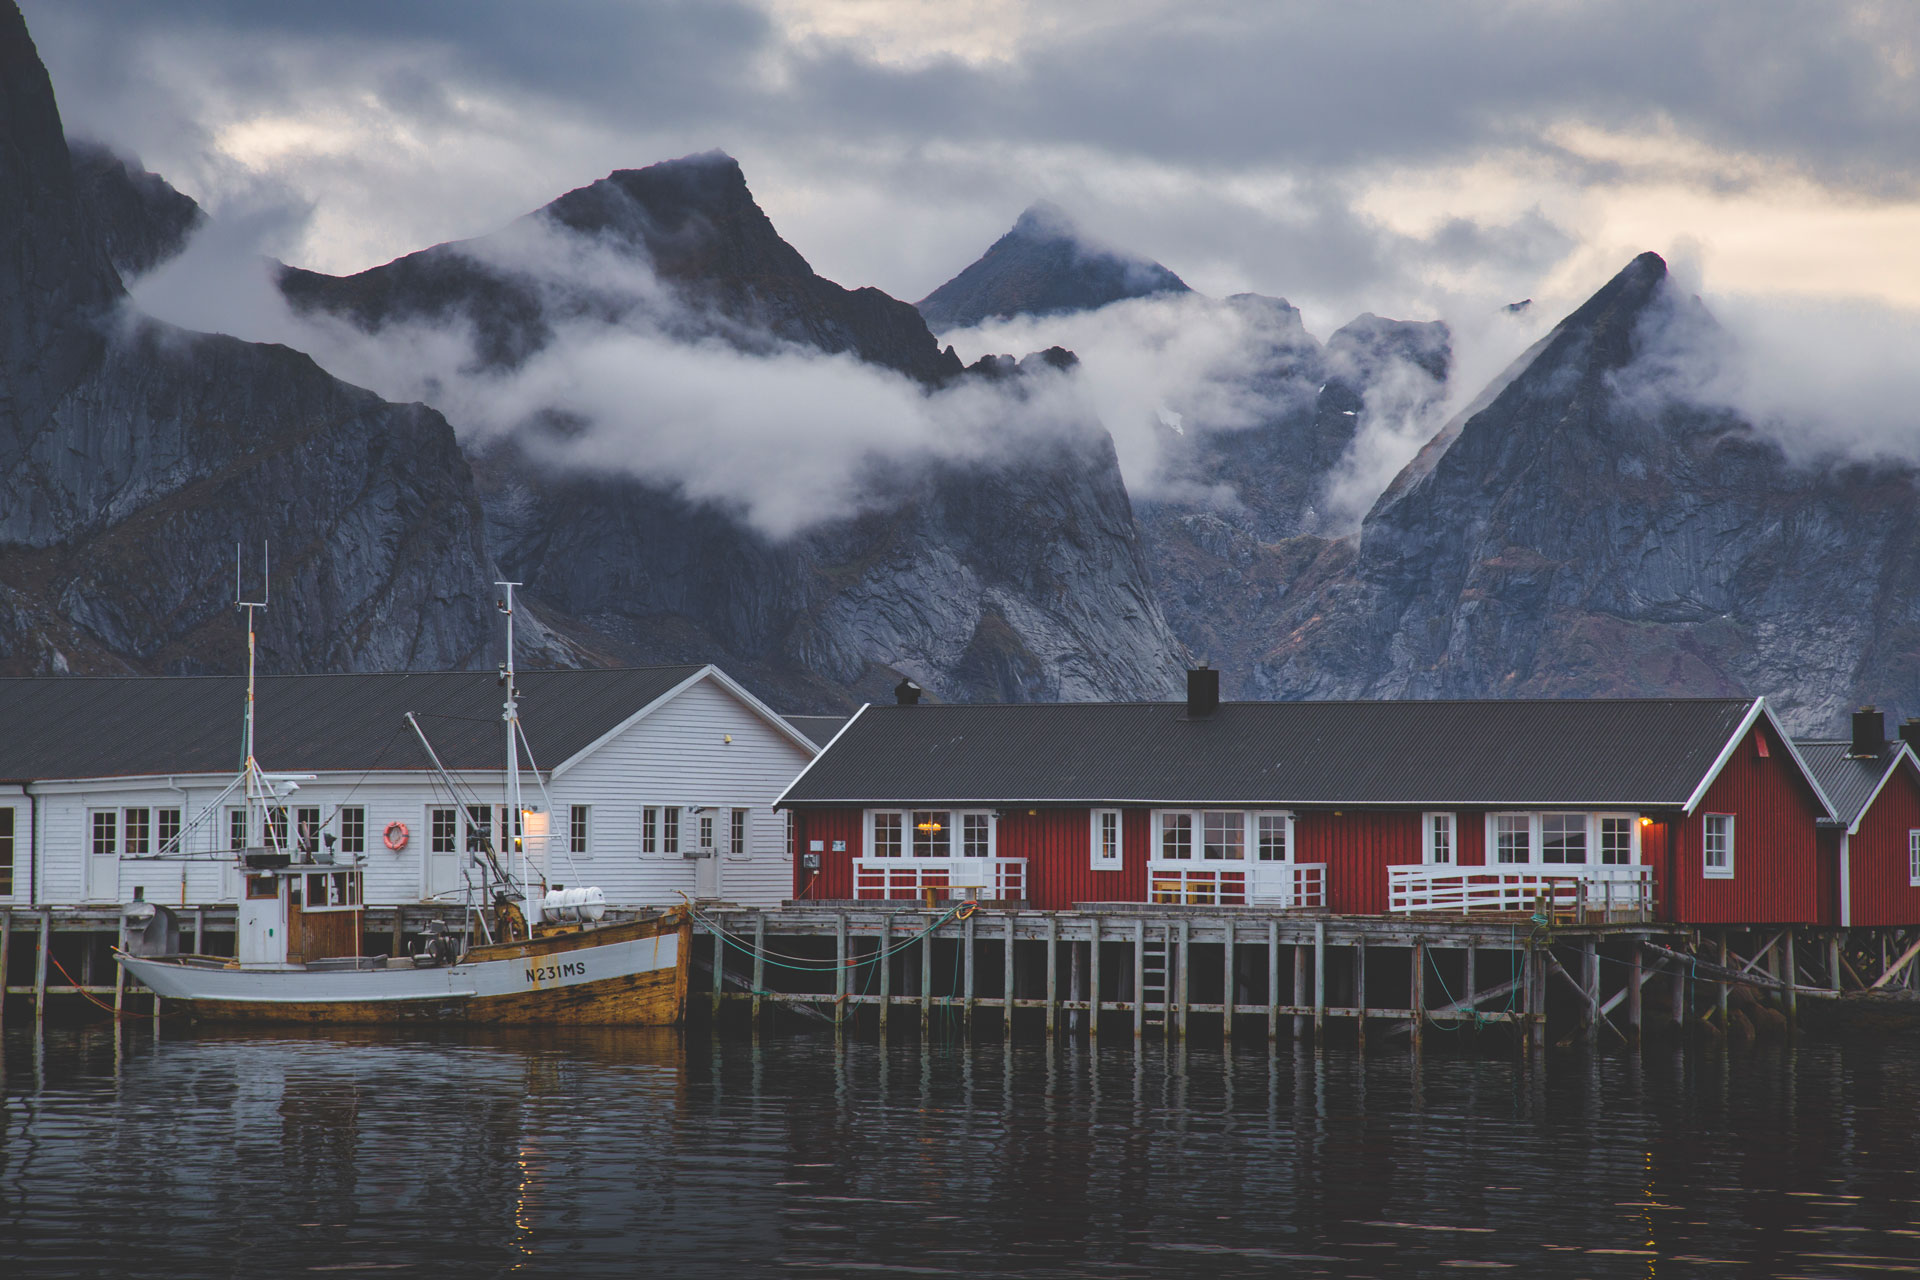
(1156, 972)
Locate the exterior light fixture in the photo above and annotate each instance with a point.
(1645, 821)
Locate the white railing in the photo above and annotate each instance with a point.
(1597, 893)
(992, 878)
(1283, 885)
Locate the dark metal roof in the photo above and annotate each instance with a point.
(116, 726)
(1848, 781)
(818, 729)
(1641, 753)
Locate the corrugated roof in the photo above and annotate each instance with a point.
(819, 729)
(1848, 781)
(117, 726)
(1642, 753)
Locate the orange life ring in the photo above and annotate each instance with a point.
(396, 836)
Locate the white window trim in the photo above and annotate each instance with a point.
(1249, 836)
(682, 841)
(1096, 853)
(956, 832)
(1707, 870)
(1536, 845)
(586, 842)
(1913, 857)
(1427, 842)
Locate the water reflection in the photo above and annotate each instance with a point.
(618, 1153)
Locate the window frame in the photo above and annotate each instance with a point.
(1493, 838)
(1257, 820)
(1196, 830)
(1581, 826)
(444, 822)
(134, 817)
(739, 831)
(1102, 854)
(168, 823)
(111, 826)
(1913, 856)
(580, 830)
(9, 826)
(954, 836)
(353, 828)
(1707, 868)
(1430, 845)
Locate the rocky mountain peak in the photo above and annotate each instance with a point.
(1045, 265)
(141, 219)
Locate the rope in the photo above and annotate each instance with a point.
(806, 964)
(91, 999)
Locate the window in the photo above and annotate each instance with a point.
(577, 829)
(1616, 841)
(6, 851)
(976, 835)
(932, 833)
(649, 830)
(1717, 846)
(1563, 838)
(138, 831)
(277, 827)
(1176, 836)
(1223, 836)
(236, 829)
(479, 827)
(1512, 837)
(106, 833)
(1106, 840)
(263, 887)
(1271, 830)
(306, 827)
(706, 833)
(670, 830)
(166, 829)
(1913, 847)
(353, 829)
(737, 833)
(1438, 843)
(443, 830)
(887, 829)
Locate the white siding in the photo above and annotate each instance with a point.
(678, 755)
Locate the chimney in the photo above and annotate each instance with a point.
(907, 693)
(1203, 692)
(1869, 733)
(1910, 732)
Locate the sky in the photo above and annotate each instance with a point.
(1409, 158)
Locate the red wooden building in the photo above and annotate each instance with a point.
(1870, 851)
(1694, 810)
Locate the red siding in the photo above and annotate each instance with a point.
(1877, 855)
(1058, 847)
(1775, 861)
(836, 869)
(1357, 847)
(1829, 845)
(1471, 828)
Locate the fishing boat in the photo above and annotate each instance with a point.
(526, 954)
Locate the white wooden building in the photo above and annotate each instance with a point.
(652, 782)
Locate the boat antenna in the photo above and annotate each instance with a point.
(251, 770)
(510, 713)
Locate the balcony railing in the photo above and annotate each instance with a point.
(1590, 894)
(1283, 885)
(1003, 879)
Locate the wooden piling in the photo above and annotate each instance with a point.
(1590, 987)
(6, 944)
(719, 967)
(881, 958)
(1833, 961)
(1093, 984)
(1360, 992)
(1469, 987)
(1319, 983)
(1186, 973)
(1073, 985)
(840, 971)
(1635, 1006)
(1273, 981)
(926, 978)
(967, 979)
(1417, 990)
(399, 933)
(1299, 988)
(1053, 972)
(1139, 978)
(40, 965)
(1007, 987)
(120, 972)
(1680, 994)
(759, 963)
(1725, 989)
(1793, 985)
(1227, 973)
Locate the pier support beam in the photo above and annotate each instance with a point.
(885, 961)
(6, 944)
(967, 961)
(926, 979)
(1319, 983)
(1093, 985)
(719, 969)
(1006, 982)
(1053, 973)
(1273, 981)
(1634, 1003)
(1417, 989)
(1360, 992)
(1793, 985)
(1227, 974)
(759, 964)
(1724, 989)
(1186, 976)
(1590, 988)
(1139, 978)
(1300, 954)
(40, 965)
(840, 971)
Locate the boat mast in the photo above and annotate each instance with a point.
(510, 713)
(256, 785)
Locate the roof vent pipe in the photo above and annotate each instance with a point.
(1203, 692)
(1910, 732)
(1869, 733)
(907, 693)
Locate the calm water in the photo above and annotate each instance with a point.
(642, 1153)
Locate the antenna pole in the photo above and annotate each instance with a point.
(256, 791)
(510, 713)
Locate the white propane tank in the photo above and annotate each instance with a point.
(570, 905)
